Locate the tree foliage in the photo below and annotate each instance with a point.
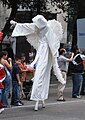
(30, 5)
(73, 7)
(34, 4)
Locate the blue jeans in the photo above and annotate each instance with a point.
(77, 80)
(15, 93)
(6, 90)
(0, 95)
(83, 84)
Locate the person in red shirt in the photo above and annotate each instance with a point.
(2, 77)
(7, 63)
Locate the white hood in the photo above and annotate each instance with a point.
(40, 21)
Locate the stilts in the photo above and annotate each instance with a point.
(36, 106)
(43, 104)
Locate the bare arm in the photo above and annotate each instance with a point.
(70, 59)
(18, 78)
(25, 68)
(7, 64)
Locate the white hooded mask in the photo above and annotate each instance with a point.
(40, 21)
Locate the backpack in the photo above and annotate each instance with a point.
(77, 64)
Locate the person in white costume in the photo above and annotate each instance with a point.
(47, 36)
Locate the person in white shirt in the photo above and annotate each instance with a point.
(62, 62)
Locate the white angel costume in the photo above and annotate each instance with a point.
(45, 36)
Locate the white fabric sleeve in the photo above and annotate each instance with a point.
(23, 29)
(82, 57)
(57, 71)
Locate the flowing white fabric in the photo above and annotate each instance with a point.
(47, 52)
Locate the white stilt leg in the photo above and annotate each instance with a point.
(43, 104)
(36, 106)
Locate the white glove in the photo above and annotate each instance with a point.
(13, 22)
(62, 82)
(32, 65)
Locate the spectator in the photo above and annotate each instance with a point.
(30, 75)
(77, 72)
(31, 59)
(16, 83)
(2, 77)
(8, 79)
(23, 69)
(62, 60)
(9, 51)
(82, 92)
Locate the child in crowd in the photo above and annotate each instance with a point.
(16, 83)
(31, 59)
(30, 74)
(23, 71)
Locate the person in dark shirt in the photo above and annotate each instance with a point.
(16, 83)
(77, 72)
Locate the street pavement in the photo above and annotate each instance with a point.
(71, 109)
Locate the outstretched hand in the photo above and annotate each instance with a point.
(13, 22)
(9, 59)
(72, 54)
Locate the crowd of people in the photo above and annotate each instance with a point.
(77, 67)
(12, 76)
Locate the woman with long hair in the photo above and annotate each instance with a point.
(7, 82)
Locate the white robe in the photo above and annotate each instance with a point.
(46, 57)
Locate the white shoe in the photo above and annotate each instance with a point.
(36, 106)
(43, 104)
(1, 110)
(78, 97)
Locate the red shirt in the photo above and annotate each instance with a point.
(2, 75)
(84, 64)
(22, 67)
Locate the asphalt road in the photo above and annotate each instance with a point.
(71, 109)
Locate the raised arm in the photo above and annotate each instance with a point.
(22, 29)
